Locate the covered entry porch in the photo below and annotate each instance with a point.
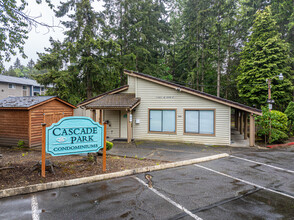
(243, 128)
(116, 111)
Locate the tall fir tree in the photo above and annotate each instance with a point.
(142, 31)
(84, 64)
(263, 57)
(17, 64)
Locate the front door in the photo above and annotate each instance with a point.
(123, 124)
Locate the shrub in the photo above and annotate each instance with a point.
(272, 126)
(20, 144)
(109, 145)
(290, 114)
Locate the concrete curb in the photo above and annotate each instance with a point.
(63, 183)
(280, 145)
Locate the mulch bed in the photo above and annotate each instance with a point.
(16, 166)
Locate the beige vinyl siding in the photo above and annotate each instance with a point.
(132, 85)
(82, 112)
(5, 91)
(160, 97)
(113, 116)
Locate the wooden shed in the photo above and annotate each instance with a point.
(21, 118)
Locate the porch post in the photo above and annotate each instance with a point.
(239, 112)
(252, 130)
(129, 127)
(98, 115)
(245, 125)
(242, 123)
(93, 114)
(101, 116)
(236, 119)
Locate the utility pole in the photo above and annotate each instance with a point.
(281, 77)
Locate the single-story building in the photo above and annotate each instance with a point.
(149, 108)
(21, 118)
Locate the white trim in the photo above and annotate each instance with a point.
(35, 208)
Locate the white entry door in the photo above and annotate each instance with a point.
(123, 124)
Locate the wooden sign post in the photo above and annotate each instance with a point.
(104, 149)
(43, 149)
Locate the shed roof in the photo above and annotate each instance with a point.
(116, 101)
(18, 80)
(27, 102)
(195, 92)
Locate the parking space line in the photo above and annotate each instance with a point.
(35, 208)
(244, 181)
(169, 200)
(252, 161)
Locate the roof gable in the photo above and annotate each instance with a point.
(194, 92)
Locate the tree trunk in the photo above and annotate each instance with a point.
(89, 86)
(202, 67)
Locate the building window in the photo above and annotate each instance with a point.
(200, 122)
(42, 89)
(24, 87)
(11, 86)
(162, 121)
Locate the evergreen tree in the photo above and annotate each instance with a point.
(17, 64)
(194, 63)
(142, 31)
(83, 64)
(31, 64)
(264, 57)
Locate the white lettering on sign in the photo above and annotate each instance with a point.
(164, 97)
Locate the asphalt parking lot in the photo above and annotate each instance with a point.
(247, 185)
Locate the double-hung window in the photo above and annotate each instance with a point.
(162, 120)
(200, 122)
(11, 86)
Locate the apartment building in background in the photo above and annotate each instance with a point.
(14, 87)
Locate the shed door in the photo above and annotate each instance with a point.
(51, 118)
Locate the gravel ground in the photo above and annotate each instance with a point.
(17, 166)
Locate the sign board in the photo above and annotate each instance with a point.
(74, 135)
(270, 106)
(270, 101)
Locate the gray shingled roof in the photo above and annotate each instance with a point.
(23, 102)
(17, 80)
(115, 101)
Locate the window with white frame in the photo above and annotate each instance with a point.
(199, 121)
(11, 86)
(161, 120)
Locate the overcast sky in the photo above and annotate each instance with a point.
(39, 37)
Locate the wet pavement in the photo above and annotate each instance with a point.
(246, 185)
(172, 151)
